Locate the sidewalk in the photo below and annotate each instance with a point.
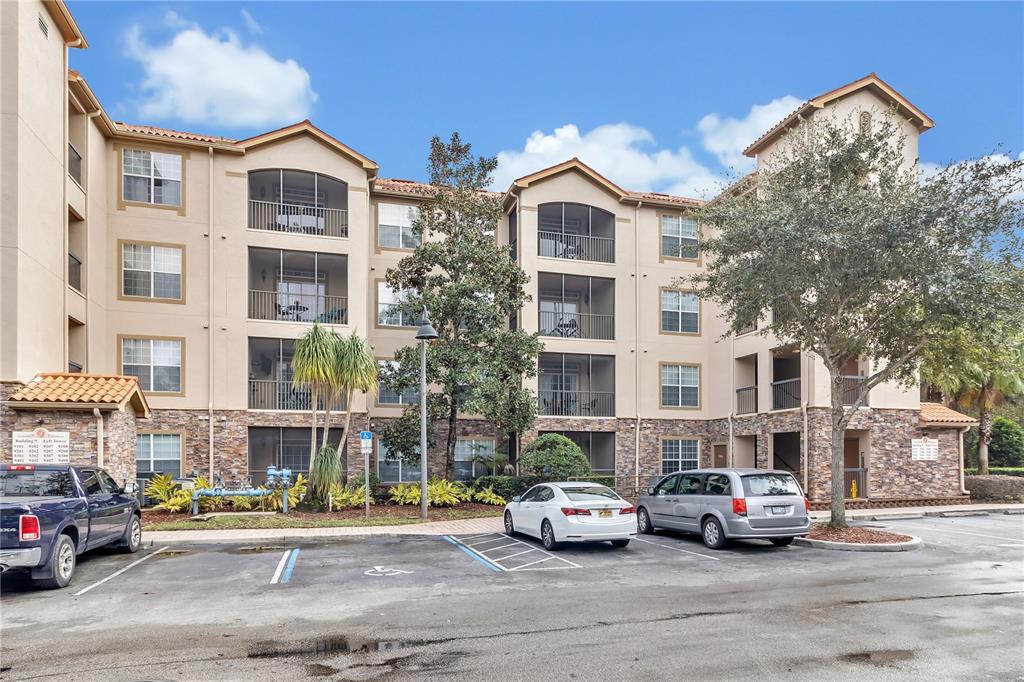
(461, 527)
(920, 512)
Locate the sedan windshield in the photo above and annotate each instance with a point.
(36, 484)
(593, 493)
(763, 485)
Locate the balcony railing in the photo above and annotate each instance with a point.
(786, 394)
(746, 400)
(74, 163)
(577, 403)
(576, 246)
(272, 305)
(74, 271)
(858, 477)
(271, 394)
(851, 385)
(298, 219)
(74, 367)
(577, 325)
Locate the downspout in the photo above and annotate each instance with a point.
(803, 410)
(636, 352)
(960, 450)
(64, 211)
(730, 457)
(209, 325)
(99, 436)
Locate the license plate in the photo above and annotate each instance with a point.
(778, 510)
(604, 513)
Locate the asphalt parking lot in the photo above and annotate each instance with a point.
(397, 605)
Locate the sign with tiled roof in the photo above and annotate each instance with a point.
(70, 390)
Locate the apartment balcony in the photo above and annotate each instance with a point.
(576, 403)
(298, 219)
(298, 286)
(576, 247)
(598, 447)
(576, 385)
(850, 387)
(272, 305)
(786, 394)
(274, 394)
(576, 307)
(298, 202)
(576, 232)
(746, 400)
(74, 272)
(74, 163)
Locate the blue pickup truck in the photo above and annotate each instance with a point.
(49, 514)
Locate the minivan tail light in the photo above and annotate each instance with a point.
(28, 527)
(807, 505)
(739, 506)
(573, 511)
(627, 510)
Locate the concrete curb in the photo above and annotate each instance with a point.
(957, 514)
(889, 517)
(912, 544)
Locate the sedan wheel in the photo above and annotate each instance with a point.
(510, 529)
(643, 522)
(547, 536)
(714, 537)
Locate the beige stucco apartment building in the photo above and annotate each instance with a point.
(193, 262)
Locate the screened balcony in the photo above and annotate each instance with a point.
(270, 377)
(576, 385)
(853, 376)
(785, 378)
(576, 232)
(298, 202)
(576, 307)
(598, 446)
(298, 286)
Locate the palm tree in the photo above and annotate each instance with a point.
(314, 364)
(356, 369)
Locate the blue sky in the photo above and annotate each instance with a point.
(657, 96)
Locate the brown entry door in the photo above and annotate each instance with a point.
(721, 456)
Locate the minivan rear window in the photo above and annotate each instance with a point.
(36, 484)
(590, 494)
(764, 485)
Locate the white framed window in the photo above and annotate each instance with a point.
(389, 309)
(395, 470)
(386, 396)
(679, 237)
(680, 386)
(679, 454)
(394, 226)
(151, 271)
(467, 453)
(156, 363)
(680, 312)
(151, 177)
(158, 453)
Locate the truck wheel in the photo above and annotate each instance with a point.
(63, 564)
(132, 539)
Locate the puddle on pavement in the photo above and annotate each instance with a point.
(319, 670)
(258, 549)
(332, 644)
(881, 657)
(171, 552)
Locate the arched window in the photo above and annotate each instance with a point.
(298, 201)
(865, 121)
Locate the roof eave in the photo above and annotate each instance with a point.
(66, 24)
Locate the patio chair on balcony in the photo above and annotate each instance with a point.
(568, 328)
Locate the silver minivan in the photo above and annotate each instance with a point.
(727, 504)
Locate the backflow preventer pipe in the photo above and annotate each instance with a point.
(274, 478)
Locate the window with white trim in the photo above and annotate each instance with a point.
(389, 308)
(156, 363)
(394, 226)
(680, 312)
(395, 470)
(387, 396)
(158, 453)
(679, 237)
(679, 454)
(468, 453)
(680, 386)
(151, 177)
(150, 271)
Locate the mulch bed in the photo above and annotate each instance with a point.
(855, 535)
(378, 510)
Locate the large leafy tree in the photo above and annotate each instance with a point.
(471, 287)
(859, 257)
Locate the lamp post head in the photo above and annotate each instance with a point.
(426, 331)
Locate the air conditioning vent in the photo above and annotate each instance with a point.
(43, 27)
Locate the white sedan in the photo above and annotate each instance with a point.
(571, 512)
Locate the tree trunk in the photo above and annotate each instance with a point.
(984, 438)
(314, 399)
(838, 503)
(449, 450)
(348, 423)
(327, 422)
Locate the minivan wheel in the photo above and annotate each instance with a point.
(510, 528)
(63, 564)
(713, 535)
(643, 522)
(781, 542)
(547, 536)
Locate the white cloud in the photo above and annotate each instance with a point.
(251, 23)
(727, 137)
(216, 78)
(626, 154)
(929, 169)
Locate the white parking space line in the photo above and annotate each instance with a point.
(484, 542)
(118, 572)
(538, 561)
(489, 553)
(280, 566)
(680, 549)
(923, 526)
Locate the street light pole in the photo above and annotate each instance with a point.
(426, 333)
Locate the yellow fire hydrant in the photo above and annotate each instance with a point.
(853, 489)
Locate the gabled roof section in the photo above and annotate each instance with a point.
(870, 82)
(572, 165)
(68, 390)
(937, 414)
(66, 24)
(410, 188)
(170, 134)
(306, 127)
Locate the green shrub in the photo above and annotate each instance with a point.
(507, 486)
(161, 487)
(554, 458)
(1007, 446)
(465, 491)
(343, 497)
(442, 493)
(405, 493)
(488, 496)
(295, 494)
(998, 471)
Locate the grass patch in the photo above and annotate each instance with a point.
(397, 516)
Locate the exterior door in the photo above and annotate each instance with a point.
(721, 455)
(854, 474)
(689, 497)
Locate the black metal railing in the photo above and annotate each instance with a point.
(855, 482)
(746, 400)
(851, 386)
(74, 163)
(272, 305)
(576, 403)
(74, 271)
(786, 394)
(576, 246)
(298, 218)
(272, 394)
(577, 325)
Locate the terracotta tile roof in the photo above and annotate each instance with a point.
(936, 413)
(668, 198)
(412, 187)
(75, 388)
(172, 134)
